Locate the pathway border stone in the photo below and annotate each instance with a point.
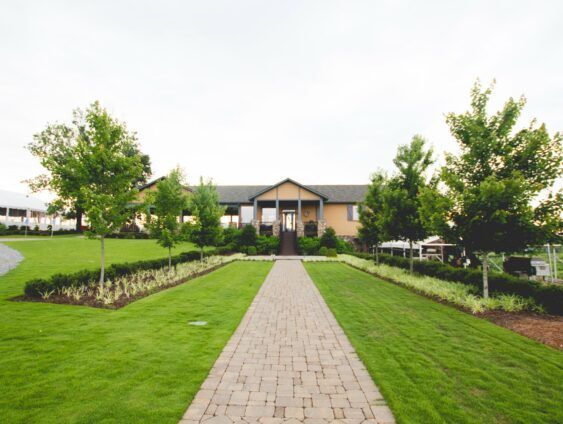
(288, 361)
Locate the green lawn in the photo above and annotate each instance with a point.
(142, 363)
(435, 364)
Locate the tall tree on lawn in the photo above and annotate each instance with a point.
(110, 171)
(498, 191)
(371, 213)
(167, 204)
(205, 208)
(55, 147)
(401, 203)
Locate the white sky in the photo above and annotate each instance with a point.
(251, 92)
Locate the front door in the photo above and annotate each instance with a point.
(288, 220)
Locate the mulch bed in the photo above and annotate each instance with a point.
(544, 328)
(121, 302)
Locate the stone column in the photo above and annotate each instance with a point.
(276, 228)
(300, 228)
(256, 224)
(321, 227)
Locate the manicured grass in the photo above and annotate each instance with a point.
(142, 363)
(435, 364)
(67, 254)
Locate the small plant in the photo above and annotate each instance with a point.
(323, 251)
(47, 294)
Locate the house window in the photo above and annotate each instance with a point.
(268, 214)
(355, 213)
(246, 214)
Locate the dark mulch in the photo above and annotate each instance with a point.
(546, 329)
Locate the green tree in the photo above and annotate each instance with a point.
(497, 194)
(401, 203)
(205, 208)
(248, 236)
(329, 239)
(56, 147)
(371, 216)
(102, 161)
(168, 203)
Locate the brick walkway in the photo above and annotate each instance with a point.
(288, 361)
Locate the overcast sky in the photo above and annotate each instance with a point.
(251, 92)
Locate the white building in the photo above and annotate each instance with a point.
(19, 209)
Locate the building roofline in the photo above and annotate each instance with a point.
(288, 180)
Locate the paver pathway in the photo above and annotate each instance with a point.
(288, 361)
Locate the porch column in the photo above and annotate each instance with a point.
(299, 207)
(277, 206)
(321, 207)
(255, 213)
(7, 216)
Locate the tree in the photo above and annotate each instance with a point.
(329, 239)
(102, 161)
(168, 203)
(401, 202)
(205, 208)
(248, 236)
(496, 195)
(371, 213)
(55, 147)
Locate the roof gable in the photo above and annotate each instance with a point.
(288, 180)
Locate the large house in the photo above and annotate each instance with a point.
(289, 206)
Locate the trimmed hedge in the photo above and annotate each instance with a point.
(37, 286)
(550, 296)
(129, 235)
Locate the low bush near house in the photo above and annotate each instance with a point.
(331, 253)
(37, 287)
(128, 288)
(267, 245)
(459, 294)
(549, 296)
(251, 250)
(323, 251)
(308, 245)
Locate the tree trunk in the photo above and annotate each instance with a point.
(485, 266)
(411, 260)
(78, 220)
(377, 254)
(201, 254)
(169, 259)
(103, 260)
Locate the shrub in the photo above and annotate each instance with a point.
(231, 236)
(267, 245)
(549, 296)
(251, 250)
(329, 239)
(331, 253)
(343, 246)
(3, 229)
(308, 245)
(57, 282)
(323, 251)
(248, 236)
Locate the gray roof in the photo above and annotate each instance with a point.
(352, 193)
(334, 193)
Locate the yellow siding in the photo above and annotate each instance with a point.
(336, 216)
(288, 191)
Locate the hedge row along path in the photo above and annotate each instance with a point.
(288, 361)
(9, 258)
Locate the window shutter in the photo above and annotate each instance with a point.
(350, 213)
